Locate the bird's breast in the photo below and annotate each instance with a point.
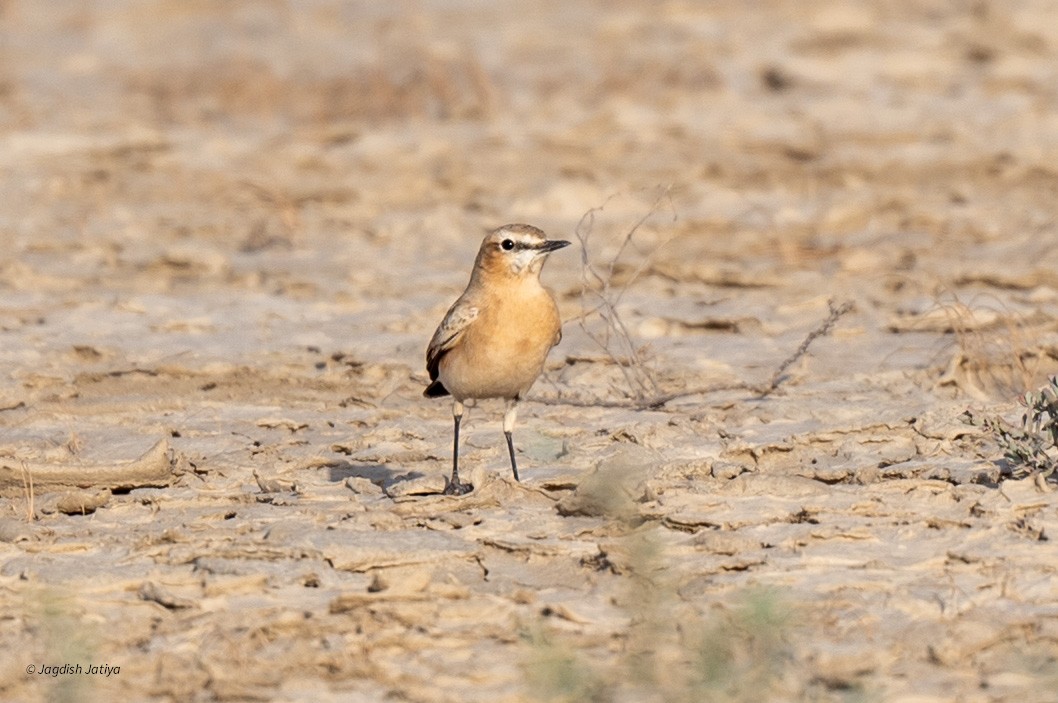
(504, 349)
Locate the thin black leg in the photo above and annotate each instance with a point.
(510, 448)
(454, 487)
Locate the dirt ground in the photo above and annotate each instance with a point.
(233, 226)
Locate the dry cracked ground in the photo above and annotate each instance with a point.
(228, 229)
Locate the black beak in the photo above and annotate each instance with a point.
(553, 244)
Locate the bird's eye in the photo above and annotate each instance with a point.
(507, 244)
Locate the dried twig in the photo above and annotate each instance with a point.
(27, 489)
(822, 330)
(598, 297)
(657, 401)
(654, 402)
(615, 339)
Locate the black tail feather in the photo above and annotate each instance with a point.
(435, 390)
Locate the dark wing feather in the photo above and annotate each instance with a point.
(447, 335)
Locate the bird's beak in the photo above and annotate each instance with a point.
(552, 244)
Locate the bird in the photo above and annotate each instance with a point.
(494, 340)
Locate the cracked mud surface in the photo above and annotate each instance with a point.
(234, 228)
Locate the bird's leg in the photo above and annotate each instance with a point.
(454, 487)
(508, 430)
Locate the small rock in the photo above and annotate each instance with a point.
(613, 488)
(76, 502)
(727, 469)
(12, 531)
(418, 486)
(362, 486)
(153, 592)
(274, 485)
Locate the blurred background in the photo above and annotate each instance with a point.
(902, 150)
(267, 123)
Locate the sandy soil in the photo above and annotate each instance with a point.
(233, 227)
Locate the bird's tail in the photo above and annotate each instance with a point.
(435, 390)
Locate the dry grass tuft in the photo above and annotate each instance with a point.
(28, 492)
(999, 352)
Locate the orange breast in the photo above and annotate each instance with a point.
(504, 350)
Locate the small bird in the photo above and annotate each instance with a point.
(493, 341)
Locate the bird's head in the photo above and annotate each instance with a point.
(516, 250)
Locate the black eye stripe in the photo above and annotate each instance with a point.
(515, 245)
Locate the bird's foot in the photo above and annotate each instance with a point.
(455, 488)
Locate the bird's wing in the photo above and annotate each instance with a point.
(448, 333)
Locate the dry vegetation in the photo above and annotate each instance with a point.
(813, 235)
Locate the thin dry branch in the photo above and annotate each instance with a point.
(28, 492)
(657, 401)
(615, 339)
(823, 329)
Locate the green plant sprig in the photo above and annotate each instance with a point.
(1031, 448)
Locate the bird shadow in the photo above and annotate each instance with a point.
(378, 474)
